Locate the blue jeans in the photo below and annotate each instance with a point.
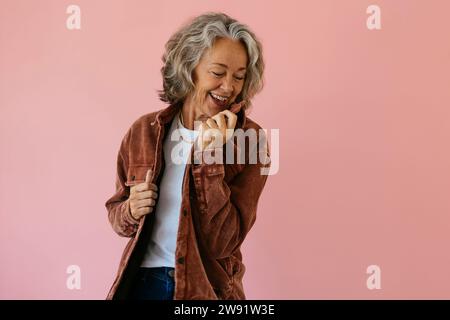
(154, 284)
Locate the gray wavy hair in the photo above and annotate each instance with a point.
(186, 46)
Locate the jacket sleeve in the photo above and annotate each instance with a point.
(227, 210)
(118, 205)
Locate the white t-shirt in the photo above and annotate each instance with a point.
(162, 245)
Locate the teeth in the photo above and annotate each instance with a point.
(219, 97)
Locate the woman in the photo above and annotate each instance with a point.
(187, 217)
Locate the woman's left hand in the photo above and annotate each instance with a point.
(217, 130)
(213, 132)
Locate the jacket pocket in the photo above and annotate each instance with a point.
(136, 173)
(232, 266)
(223, 287)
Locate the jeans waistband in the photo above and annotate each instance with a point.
(166, 271)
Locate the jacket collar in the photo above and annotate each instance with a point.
(167, 114)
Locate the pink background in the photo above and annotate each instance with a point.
(364, 124)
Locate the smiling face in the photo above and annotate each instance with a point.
(219, 78)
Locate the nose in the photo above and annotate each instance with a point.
(227, 86)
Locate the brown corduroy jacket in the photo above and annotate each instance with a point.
(219, 203)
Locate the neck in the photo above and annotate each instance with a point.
(188, 115)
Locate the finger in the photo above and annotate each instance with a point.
(144, 203)
(143, 211)
(231, 119)
(204, 135)
(221, 122)
(212, 133)
(146, 195)
(212, 123)
(145, 186)
(216, 138)
(134, 192)
(141, 204)
(148, 177)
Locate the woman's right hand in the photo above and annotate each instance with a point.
(143, 197)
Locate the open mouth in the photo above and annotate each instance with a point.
(220, 101)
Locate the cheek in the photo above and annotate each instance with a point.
(203, 90)
(211, 82)
(239, 89)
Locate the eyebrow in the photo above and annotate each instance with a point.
(224, 65)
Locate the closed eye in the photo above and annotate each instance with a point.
(222, 74)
